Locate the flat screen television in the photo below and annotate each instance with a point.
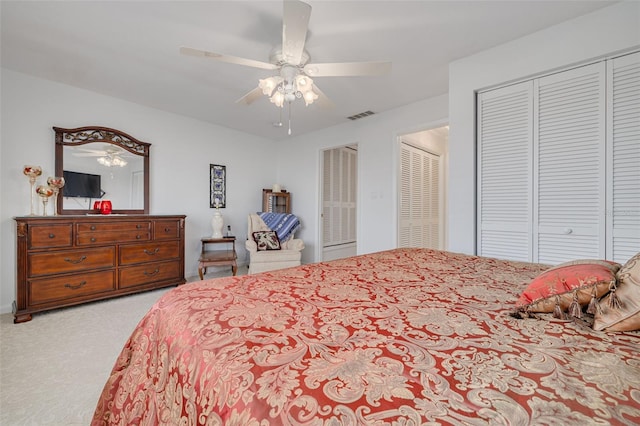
(83, 185)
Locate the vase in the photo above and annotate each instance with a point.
(44, 191)
(32, 172)
(56, 183)
(216, 224)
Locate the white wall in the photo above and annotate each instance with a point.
(378, 149)
(613, 29)
(181, 151)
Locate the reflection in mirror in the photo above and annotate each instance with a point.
(99, 163)
(102, 171)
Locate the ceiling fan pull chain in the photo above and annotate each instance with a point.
(289, 119)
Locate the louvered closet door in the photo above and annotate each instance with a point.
(420, 192)
(623, 203)
(432, 208)
(410, 225)
(505, 121)
(569, 172)
(339, 197)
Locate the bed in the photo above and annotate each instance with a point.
(403, 337)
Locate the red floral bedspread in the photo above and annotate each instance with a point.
(403, 337)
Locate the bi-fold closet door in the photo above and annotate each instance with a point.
(623, 157)
(558, 161)
(419, 216)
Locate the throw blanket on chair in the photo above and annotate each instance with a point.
(285, 224)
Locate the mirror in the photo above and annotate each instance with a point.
(99, 163)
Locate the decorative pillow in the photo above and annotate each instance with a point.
(569, 286)
(266, 240)
(620, 310)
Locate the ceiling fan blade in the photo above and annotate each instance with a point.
(295, 22)
(226, 58)
(250, 97)
(346, 69)
(323, 101)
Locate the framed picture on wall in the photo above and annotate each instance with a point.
(217, 185)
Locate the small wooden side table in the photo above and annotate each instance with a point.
(226, 257)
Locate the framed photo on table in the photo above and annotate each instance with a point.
(218, 186)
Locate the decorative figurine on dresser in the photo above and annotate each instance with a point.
(82, 254)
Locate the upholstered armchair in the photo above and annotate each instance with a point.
(286, 256)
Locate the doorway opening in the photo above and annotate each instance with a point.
(338, 202)
(422, 189)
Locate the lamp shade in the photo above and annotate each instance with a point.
(278, 99)
(268, 85)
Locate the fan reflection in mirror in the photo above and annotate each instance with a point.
(112, 161)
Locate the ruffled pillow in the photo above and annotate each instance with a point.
(569, 287)
(620, 310)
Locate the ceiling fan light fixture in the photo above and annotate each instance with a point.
(303, 82)
(112, 161)
(286, 88)
(309, 97)
(268, 85)
(277, 99)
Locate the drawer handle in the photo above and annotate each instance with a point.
(138, 236)
(138, 226)
(167, 229)
(75, 262)
(52, 235)
(93, 239)
(150, 274)
(75, 287)
(152, 253)
(93, 227)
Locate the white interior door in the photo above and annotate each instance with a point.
(339, 196)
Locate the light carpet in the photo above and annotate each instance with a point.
(53, 368)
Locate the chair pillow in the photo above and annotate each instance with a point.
(580, 281)
(266, 240)
(623, 314)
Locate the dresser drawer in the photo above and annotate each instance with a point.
(94, 233)
(47, 236)
(150, 252)
(149, 273)
(67, 288)
(133, 226)
(166, 229)
(99, 238)
(70, 261)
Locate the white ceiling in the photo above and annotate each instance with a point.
(129, 50)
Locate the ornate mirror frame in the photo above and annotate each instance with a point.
(92, 134)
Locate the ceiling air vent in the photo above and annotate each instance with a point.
(361, 115)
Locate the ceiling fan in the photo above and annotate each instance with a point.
(291, 61)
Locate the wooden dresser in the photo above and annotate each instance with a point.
(68, 260)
